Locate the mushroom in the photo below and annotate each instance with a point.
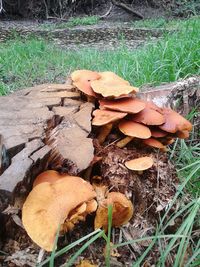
(132, 129)
(82, 80)
(112, 86)
(48, 176)
(139, 164)
(122, 211)
(156, 132)
(174, 122)
(49, 205)
(105, 118)
(129, 105)
(150, 115)
(154, 143)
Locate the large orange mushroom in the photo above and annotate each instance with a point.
(150, 115)
(50, 205)
(111, 85)
(174, 122)
(50, 176)
(128, 104)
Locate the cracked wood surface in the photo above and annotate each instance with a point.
(45, 126)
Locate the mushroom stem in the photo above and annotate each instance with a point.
(104, 132)
(122, 143)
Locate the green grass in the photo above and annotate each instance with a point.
(33, 61)
(72, 22)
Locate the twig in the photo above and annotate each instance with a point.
(108, 12)
(128, 9)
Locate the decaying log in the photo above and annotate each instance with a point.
(41, 127)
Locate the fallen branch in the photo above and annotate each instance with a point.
(128, 9)
(108, 12)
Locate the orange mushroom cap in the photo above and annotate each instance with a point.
(139, 164)
(102, 117)
(174, 122)
(122, 211)
(150, 115)
(129, 105)
(82, 79)
(134, 129)
(111, 85)
(47, 176)
(48, 206)
(154, 143)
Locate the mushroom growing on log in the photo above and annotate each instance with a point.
(50, 205)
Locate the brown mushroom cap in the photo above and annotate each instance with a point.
(110, 85)
(139, 164)
(134, 129)
(150, 115)
(158, 133)
(48, 205)
(122, 211)
(102, 117)
(182, 134)
(153, 143)
(49, 176)
(174, 122)
(129, 105)
(82, 79)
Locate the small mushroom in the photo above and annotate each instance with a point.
(174, 122)
(154, 143)
(82, 80)
(128, 104)
(139, 164)
(50, 176)
(49, 205)
(122, 211)
(112, 86)
(132, 129)
(105, 118)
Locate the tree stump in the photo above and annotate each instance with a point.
(41, 127)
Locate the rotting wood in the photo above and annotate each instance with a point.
(27, 120)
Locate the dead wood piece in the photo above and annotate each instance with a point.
(20, 164)
(71, 149)
(64, 111)
(62, 94)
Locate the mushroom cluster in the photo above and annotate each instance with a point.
(135, 118)
(59, 201)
